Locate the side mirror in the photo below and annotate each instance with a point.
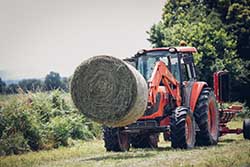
(221, 86)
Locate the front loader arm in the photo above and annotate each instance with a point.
(162, 74)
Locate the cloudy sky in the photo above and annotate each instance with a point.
(38, 36)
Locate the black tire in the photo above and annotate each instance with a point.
(145, 141)
(182, 128)
(206, 115)
(114, 140)
(246, 129)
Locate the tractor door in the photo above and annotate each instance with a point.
(187, 76)
(188, 67)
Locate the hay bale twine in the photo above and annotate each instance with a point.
(109, 91)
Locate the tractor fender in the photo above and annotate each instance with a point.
(195, 93)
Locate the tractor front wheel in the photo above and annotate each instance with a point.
(246, 129)
(207, 117)
(182, 128)
(115, 140)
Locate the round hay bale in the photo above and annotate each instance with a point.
(109, 91)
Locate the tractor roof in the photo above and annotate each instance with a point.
(184, 49)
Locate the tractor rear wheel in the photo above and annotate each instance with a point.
(182, 128)
(145, 141)
(246, 129)
(207, 117)
(115, 140)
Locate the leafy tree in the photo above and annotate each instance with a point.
(12, 89)
(2, 86)
(190, 20)
(53, 81)
(238, 22)
(235, 14)
(30, 84)
(65, 84)
(181, 21)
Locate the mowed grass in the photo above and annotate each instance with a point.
(232, 150)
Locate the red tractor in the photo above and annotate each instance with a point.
(184, 109)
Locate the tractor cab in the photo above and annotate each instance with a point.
(179, 61)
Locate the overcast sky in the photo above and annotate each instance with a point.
(38, 36)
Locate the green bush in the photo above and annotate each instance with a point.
(41, 121)
(245, 113)
(60, 129)
(14, 143)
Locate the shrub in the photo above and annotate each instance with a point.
(41, 121)
(14, 143)
(60, 129)
(80, 129)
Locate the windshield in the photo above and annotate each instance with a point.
(146, 63)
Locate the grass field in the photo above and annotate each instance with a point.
(232, 150)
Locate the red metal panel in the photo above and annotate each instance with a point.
(216, 86)
(187, 49)
(165, 122)
(196, 90)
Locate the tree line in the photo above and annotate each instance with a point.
(219, 29)
(52, 81)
